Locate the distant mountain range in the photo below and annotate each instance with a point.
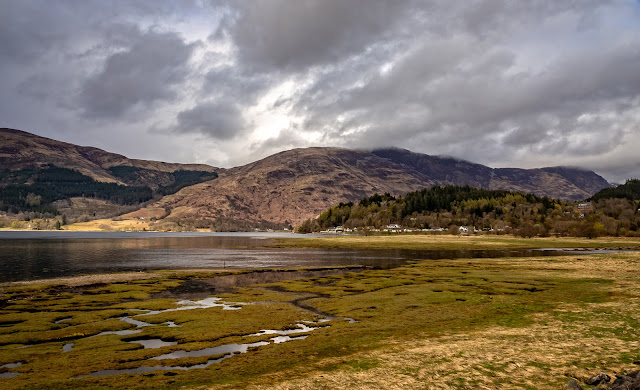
(291, 186)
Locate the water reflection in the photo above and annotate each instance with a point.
(37, 255)
(153, 343)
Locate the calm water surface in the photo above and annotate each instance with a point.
(37, 255)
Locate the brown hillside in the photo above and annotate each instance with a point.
(292, 186)
(19, 149)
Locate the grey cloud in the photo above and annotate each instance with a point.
(231, 83)
(619, 171)
(145, 73)
(295, 35)
(219, 120)
(28, 30)
(287, 139)
(494, 81)
(463, 87)
(524, 136)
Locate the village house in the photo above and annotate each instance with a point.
(584, 207)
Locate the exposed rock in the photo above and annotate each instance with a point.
(623, 382)
(627, 381)
(597, 379)
(574, 385)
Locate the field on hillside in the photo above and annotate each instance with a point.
(513, 323)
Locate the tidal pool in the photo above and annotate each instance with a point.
(220, 352)
(153, 343)
(10, 374)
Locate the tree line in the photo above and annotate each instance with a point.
(613, 211)
(36, 189)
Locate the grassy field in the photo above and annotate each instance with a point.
(108, 224)
(511, 323)
(446, 242)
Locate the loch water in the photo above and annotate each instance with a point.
(31, 255)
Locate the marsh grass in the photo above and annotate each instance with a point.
(449, 242)
(446, 323)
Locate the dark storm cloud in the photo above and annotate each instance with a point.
(145, 73)
(219, 120)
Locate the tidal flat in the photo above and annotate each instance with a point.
(519, 323)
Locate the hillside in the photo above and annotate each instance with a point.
(629, 190)
(555, 182)
(292, 186)
(285, 188)
(22, 150)
(44, 177)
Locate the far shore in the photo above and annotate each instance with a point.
(458, 242)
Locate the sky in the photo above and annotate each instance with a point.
(502, 83)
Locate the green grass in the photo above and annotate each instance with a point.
(447, 242)
(422, 300)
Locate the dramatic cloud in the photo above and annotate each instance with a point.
(283, 34)
(499, 82)
(145, 73)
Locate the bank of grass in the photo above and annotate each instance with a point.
(451, 242)
(492, 323)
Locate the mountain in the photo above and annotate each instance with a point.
(287, 187)
(294, 185)
(22, 150)
(291, 186)
(40, 175)
(556, 182)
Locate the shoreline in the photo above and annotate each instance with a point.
(113, 277)
(130, 276)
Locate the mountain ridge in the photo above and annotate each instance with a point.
(21, 149)
(293, 185)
